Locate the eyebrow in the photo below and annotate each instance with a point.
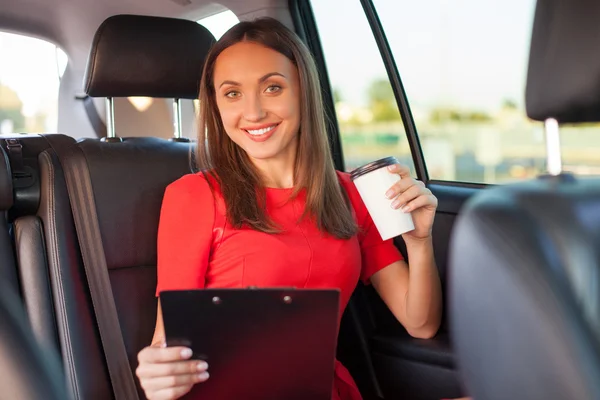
(261, 80)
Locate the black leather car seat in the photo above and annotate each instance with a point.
(26, 372)
(525, 259)
(131, 56)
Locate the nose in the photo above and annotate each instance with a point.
(253, 109)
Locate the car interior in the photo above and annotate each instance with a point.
(77, 294)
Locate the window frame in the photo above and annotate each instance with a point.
(398, 88)
(306, 28)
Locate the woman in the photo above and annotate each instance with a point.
(269, 183)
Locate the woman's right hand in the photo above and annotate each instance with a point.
(167, 373)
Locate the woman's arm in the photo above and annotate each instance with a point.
(414, 294)
(159, 338)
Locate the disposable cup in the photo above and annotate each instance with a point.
(372, 181)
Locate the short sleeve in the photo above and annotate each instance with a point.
(185, 234)
(376, 253)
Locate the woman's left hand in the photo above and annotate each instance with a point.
(411, 195)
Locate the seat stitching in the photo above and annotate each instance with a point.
(68, 351)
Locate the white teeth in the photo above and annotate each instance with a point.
(258, 132)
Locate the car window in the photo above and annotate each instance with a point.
(367, 114)
(463, 64)
(30, 73)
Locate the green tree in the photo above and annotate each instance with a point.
(382, 101)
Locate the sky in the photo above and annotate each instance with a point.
(467, 53)
(470, 53)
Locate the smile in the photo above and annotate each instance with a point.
(262, 131)
(261, 134)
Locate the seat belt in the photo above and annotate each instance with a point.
(93, 116)
(83, 207)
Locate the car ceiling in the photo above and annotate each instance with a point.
(71, 24)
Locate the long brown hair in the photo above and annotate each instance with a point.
(240, 182)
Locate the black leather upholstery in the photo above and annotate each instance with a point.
(525, 268)
(435, 351)
(8, 271)
(136, 55)
(563, 81)
(35, 282)
(129, 179)
(25, 169)
(26, 372)
(6, 186)
(30, 238)
(131, 56)
(82, 356)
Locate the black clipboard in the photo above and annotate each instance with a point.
(267, 344)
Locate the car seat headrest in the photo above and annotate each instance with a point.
(135, 55)
(563, 80)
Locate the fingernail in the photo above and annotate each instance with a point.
(163, 344)
(389, 194)
(395, 204)
(202, 365)
(203, 375)
(405, 209)
(391, 167)
(186, 353)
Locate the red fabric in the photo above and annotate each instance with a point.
(197, 249)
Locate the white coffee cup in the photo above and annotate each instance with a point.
(372, 181)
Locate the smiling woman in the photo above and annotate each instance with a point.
(273, 90)
(268, 208)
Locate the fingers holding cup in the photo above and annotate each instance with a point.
(399, 169)
(373, 181)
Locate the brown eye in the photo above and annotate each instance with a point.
(232, 94)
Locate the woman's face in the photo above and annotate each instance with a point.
(258, 96)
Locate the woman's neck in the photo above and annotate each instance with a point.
(276, 173)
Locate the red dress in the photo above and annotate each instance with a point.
(197, 249)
